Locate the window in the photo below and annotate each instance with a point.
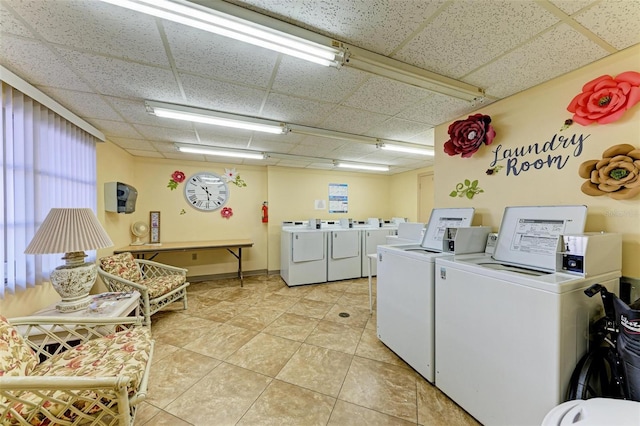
(47, 161)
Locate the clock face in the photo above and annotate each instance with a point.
(206, 191)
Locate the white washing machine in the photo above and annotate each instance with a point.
(509, 330)
(303, 255)
(343, 257)
(594, 412)
(407, 233)
(405, 291)
(371, 239)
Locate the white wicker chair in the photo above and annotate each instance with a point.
(158, 284)
(64, 371)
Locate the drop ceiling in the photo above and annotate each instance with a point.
(102, 62)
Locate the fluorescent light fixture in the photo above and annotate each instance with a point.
(217, 22)
(361, 166)
(199, 115)
(407, 149)
(221, 152)
(383, 66)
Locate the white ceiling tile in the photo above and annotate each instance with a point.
(398, 129)
(115, 128)
(136, 144)
(269, 146)
(385, 96)
(295, 110)
(352, 120)
(209, 55)
(377, 25)
(447, 45)
(222, 96)
(87, 105)
(571, 6)
(134, 111)
(611, 19)
(542, 59)
(164, 146)
(149, 154)
(38, 65)
(97, 27)
(426, 138)
(9, 24)
(165, 134)
(124, 79)
(437, 109)
(308, 80)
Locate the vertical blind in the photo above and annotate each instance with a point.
(47, 162)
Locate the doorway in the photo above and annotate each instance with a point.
(426, 195)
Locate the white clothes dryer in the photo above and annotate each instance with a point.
(343, 256)
(303, 256)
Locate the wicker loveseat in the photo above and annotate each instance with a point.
(72, 371)
(158, 284)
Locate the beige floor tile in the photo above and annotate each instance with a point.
(222, 311)
(325, 293)
(144, 412)
(277, 301)
(183, 330)
(286, 404)
(359, 287)
(264, 354)
(372, 348)
(345, 413)
(161, 350)
(357, 300)
(382, 387)
(255, 318)
(358, 317)
(372, 323)
(435, 408)
(175, 374)
(221, 397)
(339, 337)
(222, 341)
(292, 326)
(311, 308)
(165, 419)
(318, 369)
(295, 291)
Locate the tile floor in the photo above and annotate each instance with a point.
(267, 354)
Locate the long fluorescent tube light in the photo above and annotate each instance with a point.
(383, 66)
(214, 21)
(362, 167)
(198, 115)
(407, 149)
(221, 153)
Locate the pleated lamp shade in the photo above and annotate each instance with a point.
(69, 230)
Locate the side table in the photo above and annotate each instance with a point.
(109, 306)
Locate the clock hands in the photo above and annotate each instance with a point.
(207, 191)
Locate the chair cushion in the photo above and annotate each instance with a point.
(122, 265)
(159, 286)
(16, 357)
(121, 354)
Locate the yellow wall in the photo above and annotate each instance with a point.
(535, 116)
(181, 222)
(292, 195)
(403, 194)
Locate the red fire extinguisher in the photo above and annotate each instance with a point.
(265, 212)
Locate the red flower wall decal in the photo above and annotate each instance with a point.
(226, 212)
(466, 136)
(605, 99)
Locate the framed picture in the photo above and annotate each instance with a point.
(154, 221)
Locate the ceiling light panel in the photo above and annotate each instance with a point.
(198, 115)
(221, 152)
(213, 21)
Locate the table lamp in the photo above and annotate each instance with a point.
(71, 231)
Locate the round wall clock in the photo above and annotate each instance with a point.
(206, 191)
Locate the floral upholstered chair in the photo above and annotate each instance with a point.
(72, 371)
(158, 284)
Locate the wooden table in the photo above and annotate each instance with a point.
(140, 251)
